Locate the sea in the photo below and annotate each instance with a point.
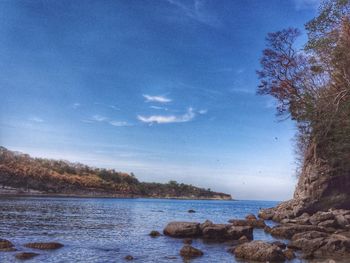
(103, 230)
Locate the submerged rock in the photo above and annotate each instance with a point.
(154, 233)
(26, 255)
(5, 244)
(182, 229)
(128, 257)
(44, 245)
(259, 251)
(187, 241)
(191, 211)
(190, 252)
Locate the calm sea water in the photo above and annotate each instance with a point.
(106, 230)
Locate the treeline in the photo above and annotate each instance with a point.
(23, 172)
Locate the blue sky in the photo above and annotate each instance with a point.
(161, 88)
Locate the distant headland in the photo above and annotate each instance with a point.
(21, 174)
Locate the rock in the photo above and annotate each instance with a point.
(267, 213)
(9, 249)
(128, 257)
(319, 217)
(205, 224)
(342, 221)
(26, 255)
(154, 233)
(243, 240)
(328, 223)
(191, 211)
(280, 244)
(215, 231)
(289, 230)
(44, 246)
(182, 229)
(259, 251)
(259, 223)
(318, 244)
(187, 241)
(190, 252)
(267, 229)
(5, 244)
(289, 254)
(250, 217)
(236, 232)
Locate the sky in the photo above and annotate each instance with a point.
(165, 89)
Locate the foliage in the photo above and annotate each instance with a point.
(312, 85)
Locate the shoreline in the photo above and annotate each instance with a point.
(107, 196)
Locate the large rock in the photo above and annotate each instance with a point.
(182, 229)
(259, 251)
(259, 223)
(289, 230)
(236, 232)
(215, 231)
(315, 244)
(44, 245)
(190, 252)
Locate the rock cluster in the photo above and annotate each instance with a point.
(208, 230)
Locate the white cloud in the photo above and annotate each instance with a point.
(158, 108)
(160, 99)
(36, 119)
(119, 123)
(202, 111)
(98, 118)
(161, 119)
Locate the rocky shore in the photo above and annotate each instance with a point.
(322, 236)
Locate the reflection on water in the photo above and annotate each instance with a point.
(106, 230)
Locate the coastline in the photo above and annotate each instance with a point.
(12, 192)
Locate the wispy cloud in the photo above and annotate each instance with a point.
(36, 119)
(119, 123)
(158, 108)
(204, 111)
(162, 119)
(306, 4)
(160, 99)
(197, 11)
(99, 118)
(76, 105)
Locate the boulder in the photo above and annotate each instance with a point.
(26, 255)
(250, 217)
(129, 257)
(289, 254)
(182, 229)
(319, 217)
(243, 240)
(259, 251)
(187, 241)
(280, 244)
(215, 231)
(289, 230)
(154, 233)
(236, 232)
(259, 223)
(190, 252)
(5, 244)
(317, 244)
(44, 246)
(328, 223)
(266, 213)
(205, 224)
(341, 220)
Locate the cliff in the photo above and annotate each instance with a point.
(22, 174)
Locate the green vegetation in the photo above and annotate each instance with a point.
(312, 87)
(61, 177)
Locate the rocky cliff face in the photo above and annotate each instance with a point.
(318, 189)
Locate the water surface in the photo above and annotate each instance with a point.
(106, 230)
